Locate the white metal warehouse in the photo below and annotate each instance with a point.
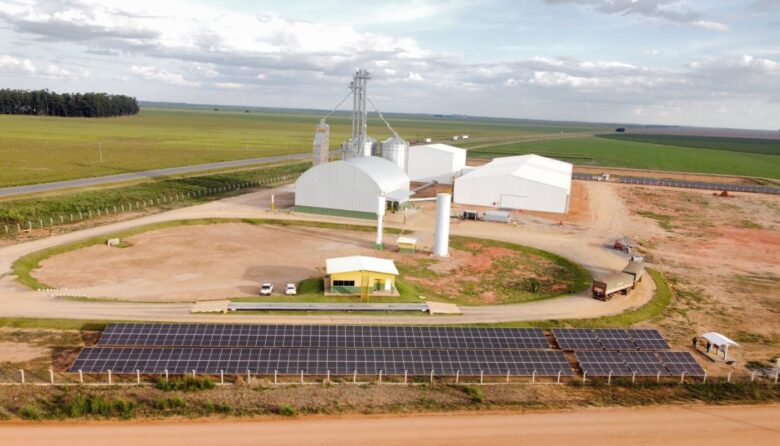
(529, 182)
(435, 162)
(350, 187)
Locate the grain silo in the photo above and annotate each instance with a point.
(396, 150)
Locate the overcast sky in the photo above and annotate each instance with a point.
(692, 62)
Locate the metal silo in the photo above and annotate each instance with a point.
(369, 147)
(396, 150)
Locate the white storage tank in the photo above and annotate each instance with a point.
(396, 150)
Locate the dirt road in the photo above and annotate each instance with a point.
(669, 426)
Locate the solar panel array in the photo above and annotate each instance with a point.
(315, 349)
(612, 339)
(316, 361)
(601, 363)
(323, 336)
(686, 184)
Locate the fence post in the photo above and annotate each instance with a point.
(301, 376)
(29, 224)
(354, 376)
(457, 376)
(193, 373)
(249, 377)
(406, 376)
(90, 212)
(109, 377)
(380, 377)
(682, 377)
(481, 376)
(275, 380)
(559, 376)
(166, 375)
(753, 376)
(633, 377)
(705, 377)
(609, 378)
(62, 219)
(51, 376)
(584, 377)
(40, 222)
(658, 377)
(728, 378)
(81, 377)
(137, 377)
(431, 376)
(507, 376)
(533, 377)
(327, 377)
(22, 372)
(222, 377)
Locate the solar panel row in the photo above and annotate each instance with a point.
(574, 339)
(315, 361)
(323, 336)
(602, 363)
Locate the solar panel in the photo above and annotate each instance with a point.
(601, 363)
(679, 362)
(644, 363)
(315, 361)
(322, 336)
(615, 339)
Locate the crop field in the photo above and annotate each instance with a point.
(622, 152)
(44, 149)
(747, 145)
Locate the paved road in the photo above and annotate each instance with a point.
(585, 246)
(119, 178)
(667, 426)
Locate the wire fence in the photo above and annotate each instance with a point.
(756, 189)
(50, 377)
(86, 214)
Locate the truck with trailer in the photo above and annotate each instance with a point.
(622, 282)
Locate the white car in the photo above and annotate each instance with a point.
(266, 289)
(291, 289)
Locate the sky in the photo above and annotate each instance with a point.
(712, 63)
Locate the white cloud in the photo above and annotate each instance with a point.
(23, 66)
(230, 85)
(162, 76)
(713, 26)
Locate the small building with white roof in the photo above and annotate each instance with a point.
(349, 275)
(350, 188)
(529, 182)
(435, 162)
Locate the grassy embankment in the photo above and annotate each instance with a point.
(44, 149)
(762, 161)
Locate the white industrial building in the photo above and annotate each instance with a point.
(435, 162)
(529, 182)
(350, 187)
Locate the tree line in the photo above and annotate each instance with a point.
(77, 105)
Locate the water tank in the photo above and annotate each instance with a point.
(396, 150)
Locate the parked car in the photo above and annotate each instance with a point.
(266, 289)
(291, 289)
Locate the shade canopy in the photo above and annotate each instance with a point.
(718, 339)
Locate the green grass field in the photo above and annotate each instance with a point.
(747, 145)
(43, 149)
(619, 152)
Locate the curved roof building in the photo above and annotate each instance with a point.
(350, 188)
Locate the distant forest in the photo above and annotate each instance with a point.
(77, 105)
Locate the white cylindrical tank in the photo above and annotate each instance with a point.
(396, 150)
(369, 147)
(441, 245)
(381, 205)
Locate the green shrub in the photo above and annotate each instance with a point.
(29, 412)
(286, 410)
(186, 384)
(211, 407)
(172, 402)
(474, 394)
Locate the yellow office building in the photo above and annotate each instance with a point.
(348, 275)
